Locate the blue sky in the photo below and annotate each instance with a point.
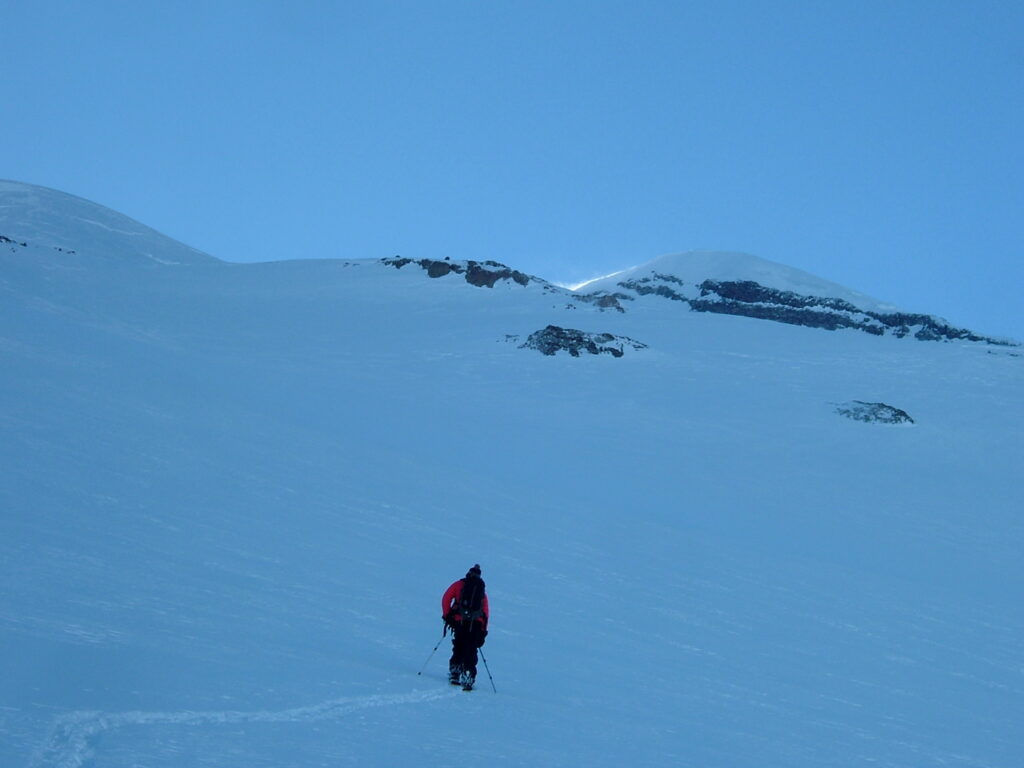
(876, 144)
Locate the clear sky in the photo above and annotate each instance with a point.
(876, 144)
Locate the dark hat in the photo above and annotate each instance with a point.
(474, 571)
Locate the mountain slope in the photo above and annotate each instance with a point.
(697, 266)
(744, 285)
(65, 223)
(233, 495)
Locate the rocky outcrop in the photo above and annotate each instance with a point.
(646, 286)
(481, 274)
(556, 339)
(754, 300)
(873, 413)
(751, 299)
(604, 301)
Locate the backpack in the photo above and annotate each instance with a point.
(472, 598)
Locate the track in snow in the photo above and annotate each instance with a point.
(70, 741)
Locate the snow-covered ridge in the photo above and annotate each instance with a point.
(745, 285)
(57, 220)
(86, 234)
(695, 267)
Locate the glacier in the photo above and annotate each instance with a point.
(232, 496)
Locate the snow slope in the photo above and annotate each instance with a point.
(64, 223)
(232, 496)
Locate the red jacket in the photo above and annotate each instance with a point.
(451, 600)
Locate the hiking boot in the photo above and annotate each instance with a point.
(455, 675)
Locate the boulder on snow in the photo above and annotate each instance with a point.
(873, 413)
(554, 339)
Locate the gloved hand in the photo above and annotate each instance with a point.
(483, 637)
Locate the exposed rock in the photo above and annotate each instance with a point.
(438, 268)
(877, 413)
(754, 300)
(608, 302)
(604, 301)
(668, 278)
(751, 299)
(646, 286)
(554, 339)
(481, 274)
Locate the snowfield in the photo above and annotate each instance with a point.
(231, 497)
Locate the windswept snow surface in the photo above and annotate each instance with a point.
(232, 496)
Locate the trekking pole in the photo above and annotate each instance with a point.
(443, 633)
(488, 669)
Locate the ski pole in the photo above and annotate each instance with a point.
(432, 654)
(488, 669)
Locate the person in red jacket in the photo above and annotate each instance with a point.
(466, 611)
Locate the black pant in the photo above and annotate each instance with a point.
(467, 636)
